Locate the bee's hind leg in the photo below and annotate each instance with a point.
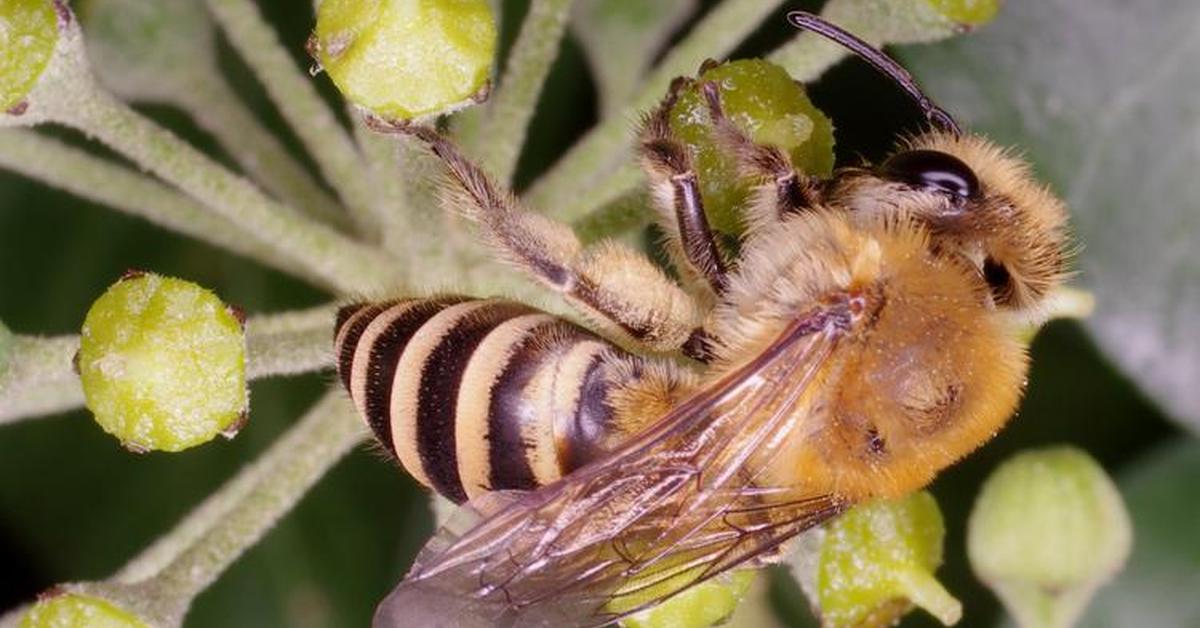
(615, 285)
(781, 190)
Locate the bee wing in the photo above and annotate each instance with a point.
(676, 505)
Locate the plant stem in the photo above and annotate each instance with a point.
(102, 181)
(340, 262)
(297, 99)
(498, 140)
(561, 189)
(38, 378)
(231, 521)
(289, 343)
(219, 110)
(877, 22)
(388, 162)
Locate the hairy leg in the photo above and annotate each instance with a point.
(615, 285)
(675, 188)
(781, 189)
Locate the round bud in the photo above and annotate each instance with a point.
(28, 35)
(877, 561)
(1047, 529)
(140, 48)
(76, 609)
(766, 104)
(403, 59)
(706, 604)
(966, 12)
(163, 363)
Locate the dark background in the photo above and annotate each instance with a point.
(75, 506)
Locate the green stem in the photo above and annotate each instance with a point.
(498, 140)
(388, 165)
(297, 99)
(38, 377)
(289, 343)
(564, 189)
(219, 531)
(878, 22)
(124, 189)
(340, 262)
(219, 110)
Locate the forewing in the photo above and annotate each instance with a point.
(676, 505)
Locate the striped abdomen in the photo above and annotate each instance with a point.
(480, 395)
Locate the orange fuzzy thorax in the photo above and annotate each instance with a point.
(930, 374)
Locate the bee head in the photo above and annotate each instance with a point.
(981, 204)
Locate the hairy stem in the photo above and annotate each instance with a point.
(218, 109)
(289, 343)
(498, 139)
(76, 171)
(563, 191)
(38, 377)
(297, 99)
(340, 262)
(190, 557)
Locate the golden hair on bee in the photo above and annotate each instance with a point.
(860, 340)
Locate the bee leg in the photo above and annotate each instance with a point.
(616, 285)
(783, 190)
(676, 191)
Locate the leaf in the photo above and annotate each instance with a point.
(1102, 97)
(620, 39)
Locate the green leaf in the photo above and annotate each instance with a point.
(1102, 97)
(1159, 584)
(620, 39)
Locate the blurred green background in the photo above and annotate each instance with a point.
(74, 505)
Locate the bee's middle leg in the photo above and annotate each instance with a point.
(782, 190)
(676, 191)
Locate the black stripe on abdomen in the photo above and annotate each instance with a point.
(510, 407)
(441, 378)
(385, 354)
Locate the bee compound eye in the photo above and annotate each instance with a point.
(933, 170)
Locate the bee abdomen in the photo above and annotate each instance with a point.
(477, 395)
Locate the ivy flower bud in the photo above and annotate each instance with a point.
(77, 609)
(1047, 530)
(28, 35)
(706, 604)
(877, 561)
(405, 59)
(163, 364)
(766, 104)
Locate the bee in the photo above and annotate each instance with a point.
(862, 338)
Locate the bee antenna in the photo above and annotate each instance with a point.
(880, 61)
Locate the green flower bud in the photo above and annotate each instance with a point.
(967, 12)
(403, 59)
(163, 363)
(140, 48)
(703, 605)
(763, 100)
(877, 561)
(1047, 530)
(28, 35)
(75, 610)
